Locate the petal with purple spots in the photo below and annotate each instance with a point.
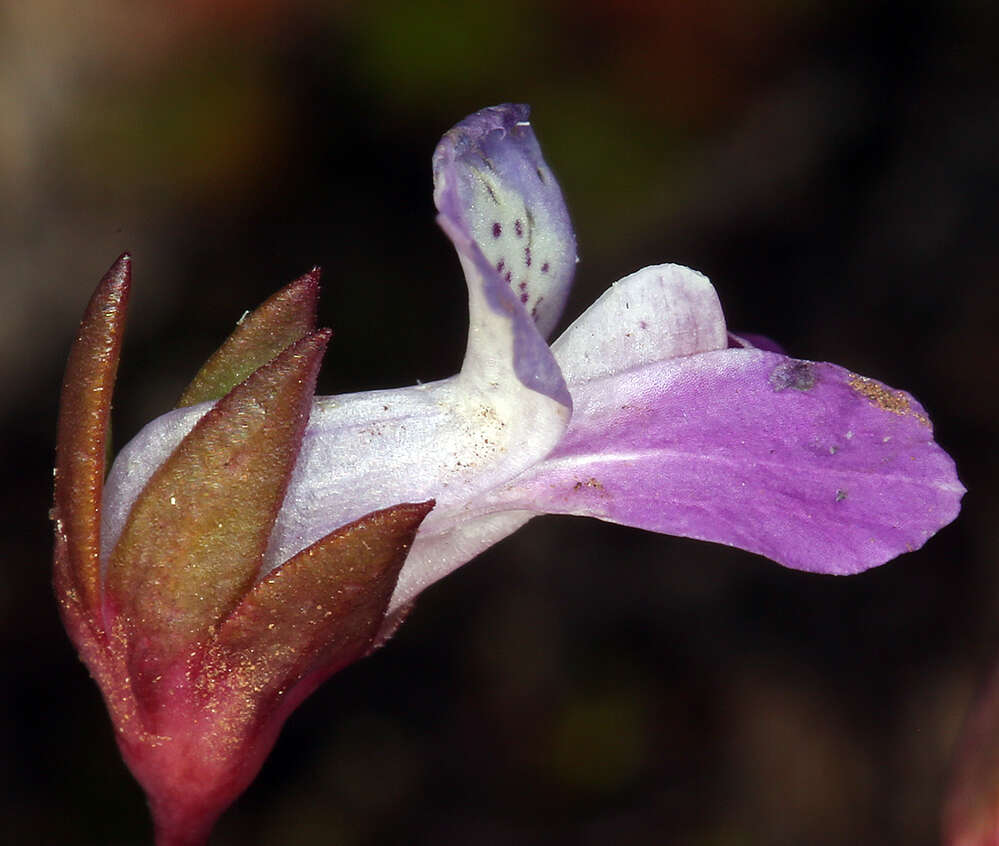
(504, 212)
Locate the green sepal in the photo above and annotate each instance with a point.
(277, 323)
(321, 609)
(197, 533)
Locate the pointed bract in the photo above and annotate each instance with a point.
(84, 414)
(277, 323)
(321, 610)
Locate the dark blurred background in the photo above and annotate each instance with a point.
(830, 165)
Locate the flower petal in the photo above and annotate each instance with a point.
(752, 341)
(656, 313)
(443, 441)
(444, 545)
(503, 210)
(805, 463)
(452, 440)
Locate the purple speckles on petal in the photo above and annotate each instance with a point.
(799, 375)
(492, 203)
(544, 267)
(491, 182)
(524, 297)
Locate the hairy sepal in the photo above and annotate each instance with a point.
(194, 540)
(84, 414)
(260, 336)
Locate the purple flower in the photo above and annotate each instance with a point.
(640, 413)
(250, 514)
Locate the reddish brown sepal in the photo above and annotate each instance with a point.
(196, 535)
(198, 662)
(84, 411)
(320, 610)
(316, 613)
(277, 323)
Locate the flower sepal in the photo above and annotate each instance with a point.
(199, 658)
(259, 336)
(196, 734)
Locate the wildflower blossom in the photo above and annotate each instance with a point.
(252, 541)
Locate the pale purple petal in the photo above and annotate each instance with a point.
(503, 210)
(448, 543)
(808, 464)
(656, 313)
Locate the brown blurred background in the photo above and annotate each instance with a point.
(830, 165)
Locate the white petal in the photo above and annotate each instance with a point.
(444, 545)
(442, 441)
(657, 313)
(136, 463)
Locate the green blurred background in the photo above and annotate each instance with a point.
(830, 165)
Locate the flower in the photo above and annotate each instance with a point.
(252, 541)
